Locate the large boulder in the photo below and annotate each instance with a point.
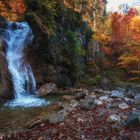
(6, 88)
(46, 89)
(88, 104)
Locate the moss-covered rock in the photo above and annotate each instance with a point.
(59, 43)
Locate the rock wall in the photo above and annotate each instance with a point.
(6, 88)
(55, 24)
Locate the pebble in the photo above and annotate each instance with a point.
(123, 106)
(113, 119)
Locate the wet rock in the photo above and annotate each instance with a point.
(137, 99)
(67, 98)
(3, 22)
(123, 106)
(113, 119)
(47, 89)
(6, 87)
(117, 94)
(88, 104)
(57, 118)
(81, 95)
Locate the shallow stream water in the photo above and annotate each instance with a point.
(14, 119)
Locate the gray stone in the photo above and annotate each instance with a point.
(81, 95)
(135, 112)
(99, 91)
(132, 120)
(47, 89)
(137, 99)
(123, 106)
(57, 118)
(98, 102)
(117, 94)
(67, 98)
(88, 104)
(104, 98)
(113, 119)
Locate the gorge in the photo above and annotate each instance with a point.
(69, 70)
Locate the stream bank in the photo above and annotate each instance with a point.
(111, 115)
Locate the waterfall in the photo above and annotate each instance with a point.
(18, 36)
(22, 75)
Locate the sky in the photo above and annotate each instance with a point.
(113, 5)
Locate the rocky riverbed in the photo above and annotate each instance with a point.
(83, 114)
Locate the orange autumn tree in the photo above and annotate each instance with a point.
(12, 9)
(126, 34)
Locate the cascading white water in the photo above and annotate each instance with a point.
(18, 35)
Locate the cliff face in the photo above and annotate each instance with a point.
(92, 11)
(62, 32)
(6, 87)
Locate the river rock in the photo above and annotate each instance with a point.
(57, 118)
(47, 89)
(137, 99)
(117, 94)
(88, 104)
(103, 92)
(133, 120)
(113, 119)
(67, 98)
(104, 98)
(81, 95)
(123, 106)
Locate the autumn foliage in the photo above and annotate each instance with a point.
(126, 37)
(12, 9)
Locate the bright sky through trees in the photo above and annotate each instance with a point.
(113, 5)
